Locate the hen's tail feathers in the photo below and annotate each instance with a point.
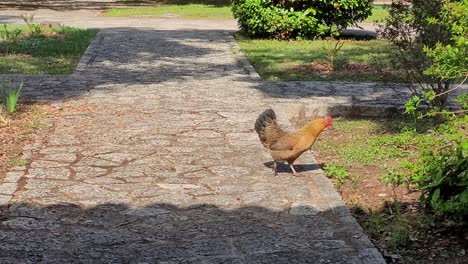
(268, 117)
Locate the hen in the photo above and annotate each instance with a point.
(288, 146)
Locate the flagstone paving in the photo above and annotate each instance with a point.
(151, 157)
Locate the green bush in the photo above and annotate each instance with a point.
(287, 19)
(432, 39)
(441, 170)
(423, 30)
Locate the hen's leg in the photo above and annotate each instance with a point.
(293, 170)
(274, 167)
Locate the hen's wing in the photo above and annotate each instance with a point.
(273, 134)
(287, 148)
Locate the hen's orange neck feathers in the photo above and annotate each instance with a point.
(316, 126)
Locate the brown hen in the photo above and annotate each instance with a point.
(288, 146)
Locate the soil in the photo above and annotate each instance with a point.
(326, 71)
(439, 242)
(16, 131)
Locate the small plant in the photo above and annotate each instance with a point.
(10, 96)
(394, 178)
(331, 48)
(18, 162)
(338, 173)
(36, 29)
(9, 37)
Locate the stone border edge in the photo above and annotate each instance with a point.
(241, 59)
(90, 54)
(369, 254)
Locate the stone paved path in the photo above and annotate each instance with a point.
(152, 159)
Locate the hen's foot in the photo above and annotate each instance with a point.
(293, 170)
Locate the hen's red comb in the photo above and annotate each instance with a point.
(329, 120)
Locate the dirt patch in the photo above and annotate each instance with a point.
(364, 189)
(16, 131)
(319, 68)
(325, 70)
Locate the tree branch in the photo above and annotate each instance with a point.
(458, 86)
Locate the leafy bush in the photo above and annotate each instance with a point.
(441, 171)
(450, 61)
(286, 19)
(420, 29)
(433, 40)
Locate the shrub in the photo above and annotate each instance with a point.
(420, 28)
(450, 61)
(286, 19)
(441, 171)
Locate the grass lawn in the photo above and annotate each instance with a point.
(200, 9)
(307, 60)
(179, 2)
(379, 13)
(50, 51)
(356, 152)
(184, 11)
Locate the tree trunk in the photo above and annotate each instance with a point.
(440, 102)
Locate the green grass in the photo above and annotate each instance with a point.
(184, 11)
(17, 162)
(339, 174)
(369, 142)
(179, 2)
(55, 51)
(379, 13)
(200, 9)
(296, 60)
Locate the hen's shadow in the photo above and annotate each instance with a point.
(283, 167)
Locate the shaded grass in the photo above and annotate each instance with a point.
(200, 9)
(55, 51)
(184, 11)
(297, 60)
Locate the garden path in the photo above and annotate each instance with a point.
(150, 157)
